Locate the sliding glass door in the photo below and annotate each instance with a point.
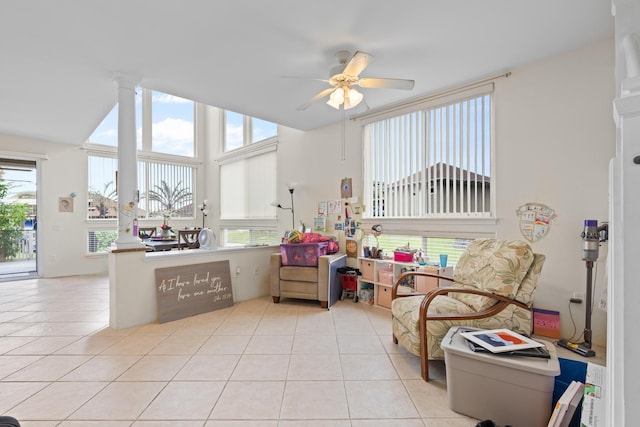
(18, 219)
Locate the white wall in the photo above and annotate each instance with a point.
(133, 295)
(554, 138)
(62, 237)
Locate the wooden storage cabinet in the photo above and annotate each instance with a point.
(382, 273)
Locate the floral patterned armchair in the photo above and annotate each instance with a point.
(493, 287)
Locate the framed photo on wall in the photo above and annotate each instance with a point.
(345, 188)
(65, 204)
(320, 223)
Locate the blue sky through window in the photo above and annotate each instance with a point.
(263, 130)
(172, 128)
(173, 125)
(19, 181)
(234, 131)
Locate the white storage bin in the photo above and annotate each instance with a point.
(510, 390)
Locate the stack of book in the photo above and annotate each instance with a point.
(567, 404)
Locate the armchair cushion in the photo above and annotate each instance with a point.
(495, 266)
(300, 274)
(406, 314)
(528, 286)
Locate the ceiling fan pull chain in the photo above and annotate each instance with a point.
(344, 134)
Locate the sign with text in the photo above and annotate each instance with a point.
(188, 290)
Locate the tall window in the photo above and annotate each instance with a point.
(171, 130)
(107, 132)
(163, 187)
(430, 247)
(434, 161)
(248, 181)
(166, 167)
(241, 130)
(102, 197)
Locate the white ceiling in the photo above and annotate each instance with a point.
(58, 58)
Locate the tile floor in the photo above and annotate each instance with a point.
(256, 364)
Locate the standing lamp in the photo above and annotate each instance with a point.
(279, 206)
(204, 210)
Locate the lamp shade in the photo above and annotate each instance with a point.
(352, 99)
(336, 98)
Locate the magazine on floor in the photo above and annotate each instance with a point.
(501, 340)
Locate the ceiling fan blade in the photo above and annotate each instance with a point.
(316, 98)
(306, 78)
(357, 63)
(382, 83)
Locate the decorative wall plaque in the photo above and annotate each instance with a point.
(535, 220)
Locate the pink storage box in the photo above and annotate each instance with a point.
(385, 277)
(403, 256)
(302, 254)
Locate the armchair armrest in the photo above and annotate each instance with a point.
(501, 303)
(275, 263)
(424, 316)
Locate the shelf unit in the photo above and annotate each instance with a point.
(380, 274)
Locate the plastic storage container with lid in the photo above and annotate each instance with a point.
(510, 390)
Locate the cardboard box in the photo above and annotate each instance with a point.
(510, 390)
(383, 295)
(366, 268)
(425, 284)
(385, 277)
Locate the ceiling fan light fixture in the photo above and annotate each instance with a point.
(346, 74)
(336, 98)
(352, 99)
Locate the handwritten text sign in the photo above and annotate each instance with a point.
(188, 290)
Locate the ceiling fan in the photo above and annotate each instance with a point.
(345, 75)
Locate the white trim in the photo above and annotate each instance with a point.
(19, 155)
(441, 99)
(435, 97)
(248, 151)
(171, 159)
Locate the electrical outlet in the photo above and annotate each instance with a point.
(577, 298)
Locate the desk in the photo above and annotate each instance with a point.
(156, 245)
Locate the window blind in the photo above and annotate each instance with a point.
(432, 162)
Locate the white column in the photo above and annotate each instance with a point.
(127, 183)
(623, 316)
